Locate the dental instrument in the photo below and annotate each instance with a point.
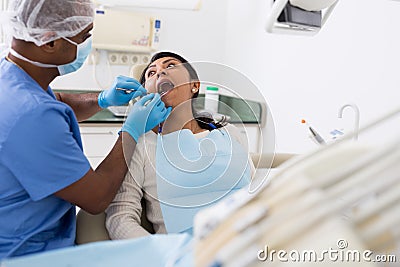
(314, 133)
(126, 91)
(163, 94)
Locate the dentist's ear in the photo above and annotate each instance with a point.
(52, 47)
(49, 47)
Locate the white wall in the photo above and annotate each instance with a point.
(355, 58)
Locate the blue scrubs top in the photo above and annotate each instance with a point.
(40, 154)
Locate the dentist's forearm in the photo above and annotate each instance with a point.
(84, 105)
(97, 188)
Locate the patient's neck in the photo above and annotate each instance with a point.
(179, 119)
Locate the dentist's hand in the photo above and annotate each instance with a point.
(144, 117)
(114, 97)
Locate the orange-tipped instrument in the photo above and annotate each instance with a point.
(314, 133)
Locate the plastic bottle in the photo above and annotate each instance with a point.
(211, 99)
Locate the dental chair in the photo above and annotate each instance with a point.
(92, 228)
(266, 161)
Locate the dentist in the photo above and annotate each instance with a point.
(43, 171)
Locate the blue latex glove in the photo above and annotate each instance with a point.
(145, 116)
(114, 97)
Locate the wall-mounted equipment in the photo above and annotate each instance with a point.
(125, 31)
(304, 17)
(170, 4)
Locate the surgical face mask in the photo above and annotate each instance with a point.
(82, 52)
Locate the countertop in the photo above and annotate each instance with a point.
(104, 116)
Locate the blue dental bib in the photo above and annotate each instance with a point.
(195, 173)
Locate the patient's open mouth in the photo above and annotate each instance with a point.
(164, 87)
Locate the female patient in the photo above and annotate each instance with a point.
(184, 165)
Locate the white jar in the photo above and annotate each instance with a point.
(211, 99)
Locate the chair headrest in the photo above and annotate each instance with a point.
(137, 70)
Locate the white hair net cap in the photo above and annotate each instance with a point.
(43, 21)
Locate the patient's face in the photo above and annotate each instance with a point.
(168, 74)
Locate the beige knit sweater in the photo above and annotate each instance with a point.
(124, 213)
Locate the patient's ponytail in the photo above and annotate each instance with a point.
(206, 121)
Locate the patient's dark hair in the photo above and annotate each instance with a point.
(204, 119)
